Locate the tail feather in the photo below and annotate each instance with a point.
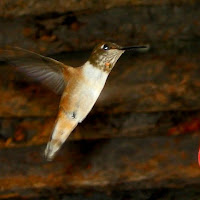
(51, 149)
(63, 127)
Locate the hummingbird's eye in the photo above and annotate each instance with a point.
(105, 47)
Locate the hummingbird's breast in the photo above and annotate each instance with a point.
(82, 91)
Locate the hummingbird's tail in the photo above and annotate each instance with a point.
(63, 127)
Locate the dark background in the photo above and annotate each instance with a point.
(141, 139)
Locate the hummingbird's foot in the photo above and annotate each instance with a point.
(52, 147)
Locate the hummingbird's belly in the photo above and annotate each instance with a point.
(82, 92)
(86, 100)
(81, 99)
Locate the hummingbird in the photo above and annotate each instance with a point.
(79, 87)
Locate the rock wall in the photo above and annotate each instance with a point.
(142, 136)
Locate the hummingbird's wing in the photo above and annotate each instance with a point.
(41, 68)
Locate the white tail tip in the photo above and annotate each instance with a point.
(51, 149)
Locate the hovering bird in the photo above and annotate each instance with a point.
(79, 87)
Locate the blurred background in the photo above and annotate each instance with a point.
(142, 137)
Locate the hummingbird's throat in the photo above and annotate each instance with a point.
(102, 64)
(105, 62)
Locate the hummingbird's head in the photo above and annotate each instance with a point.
(106, 54)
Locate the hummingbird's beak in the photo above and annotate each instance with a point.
(139, 47)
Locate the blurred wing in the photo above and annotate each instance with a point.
(41, 68)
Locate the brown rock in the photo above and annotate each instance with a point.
(101, 165)
(168, 27)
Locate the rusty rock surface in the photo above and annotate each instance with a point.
(115, 163)
(126, 142)
(14, 8)
(168, 27)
